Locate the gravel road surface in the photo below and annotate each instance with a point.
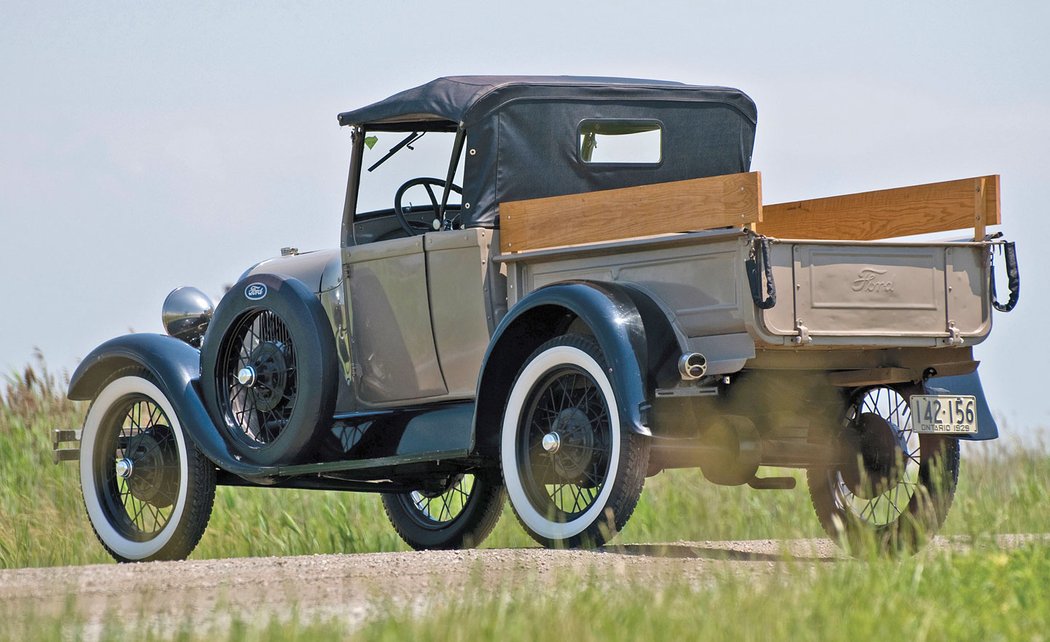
(351, 587)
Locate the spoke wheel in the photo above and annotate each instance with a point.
(148, 491)
(460, 514)
(259, 383)
(142, 483)
(269, 371)
(572, 473)
(897, 490)
(564, 445)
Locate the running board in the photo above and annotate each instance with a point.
(378, 462)
(372, 443)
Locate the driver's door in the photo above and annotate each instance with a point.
(392, 337)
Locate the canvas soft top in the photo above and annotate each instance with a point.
(522, 132)
(460, 99)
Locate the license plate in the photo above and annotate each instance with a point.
(944, 414)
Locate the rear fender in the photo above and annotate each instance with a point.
(633, 332)
(968, 384)
(175, 367)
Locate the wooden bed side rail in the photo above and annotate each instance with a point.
(662, 208)
(869, 216)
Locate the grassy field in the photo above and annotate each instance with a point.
(986, 596)
(982, 594)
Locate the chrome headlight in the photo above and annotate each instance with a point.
(186, 314)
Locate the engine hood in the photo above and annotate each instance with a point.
(319, 269)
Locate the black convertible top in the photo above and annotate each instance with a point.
(463, 99)
(523, 132)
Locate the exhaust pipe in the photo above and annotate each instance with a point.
(692, 366)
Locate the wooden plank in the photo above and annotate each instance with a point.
(980, 206)
(920, 209)
(645, 210)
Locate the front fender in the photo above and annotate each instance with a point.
(175, 367)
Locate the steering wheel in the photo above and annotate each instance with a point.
(413, 228)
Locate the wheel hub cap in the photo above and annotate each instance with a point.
(125, 467)
(574, 445)
(551, 442)
(881, 448)
(150, 466)
(267, 376)
(246, 376)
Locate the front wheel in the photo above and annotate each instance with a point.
(459, 515)
(573, 473)
(896, 489)
(148, 491)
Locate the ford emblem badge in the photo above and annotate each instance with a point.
(255, 292)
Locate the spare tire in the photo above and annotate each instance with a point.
(268, 369)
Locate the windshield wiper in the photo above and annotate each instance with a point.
(411, 138)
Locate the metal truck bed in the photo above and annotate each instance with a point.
(802, 278)
(842, 294)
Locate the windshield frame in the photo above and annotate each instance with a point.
(413, 131)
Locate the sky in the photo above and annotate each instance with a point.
(149, 145)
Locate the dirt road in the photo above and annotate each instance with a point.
(352, 586)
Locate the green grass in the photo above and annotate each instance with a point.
(42, 521)
(971, 596)
(982, 594)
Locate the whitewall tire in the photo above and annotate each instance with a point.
(572, 473)
(147, 490)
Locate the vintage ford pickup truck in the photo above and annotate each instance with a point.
(549, 289)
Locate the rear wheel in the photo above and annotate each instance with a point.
(573, 473)
(148, 491)
(459, 515)
(897, 490)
